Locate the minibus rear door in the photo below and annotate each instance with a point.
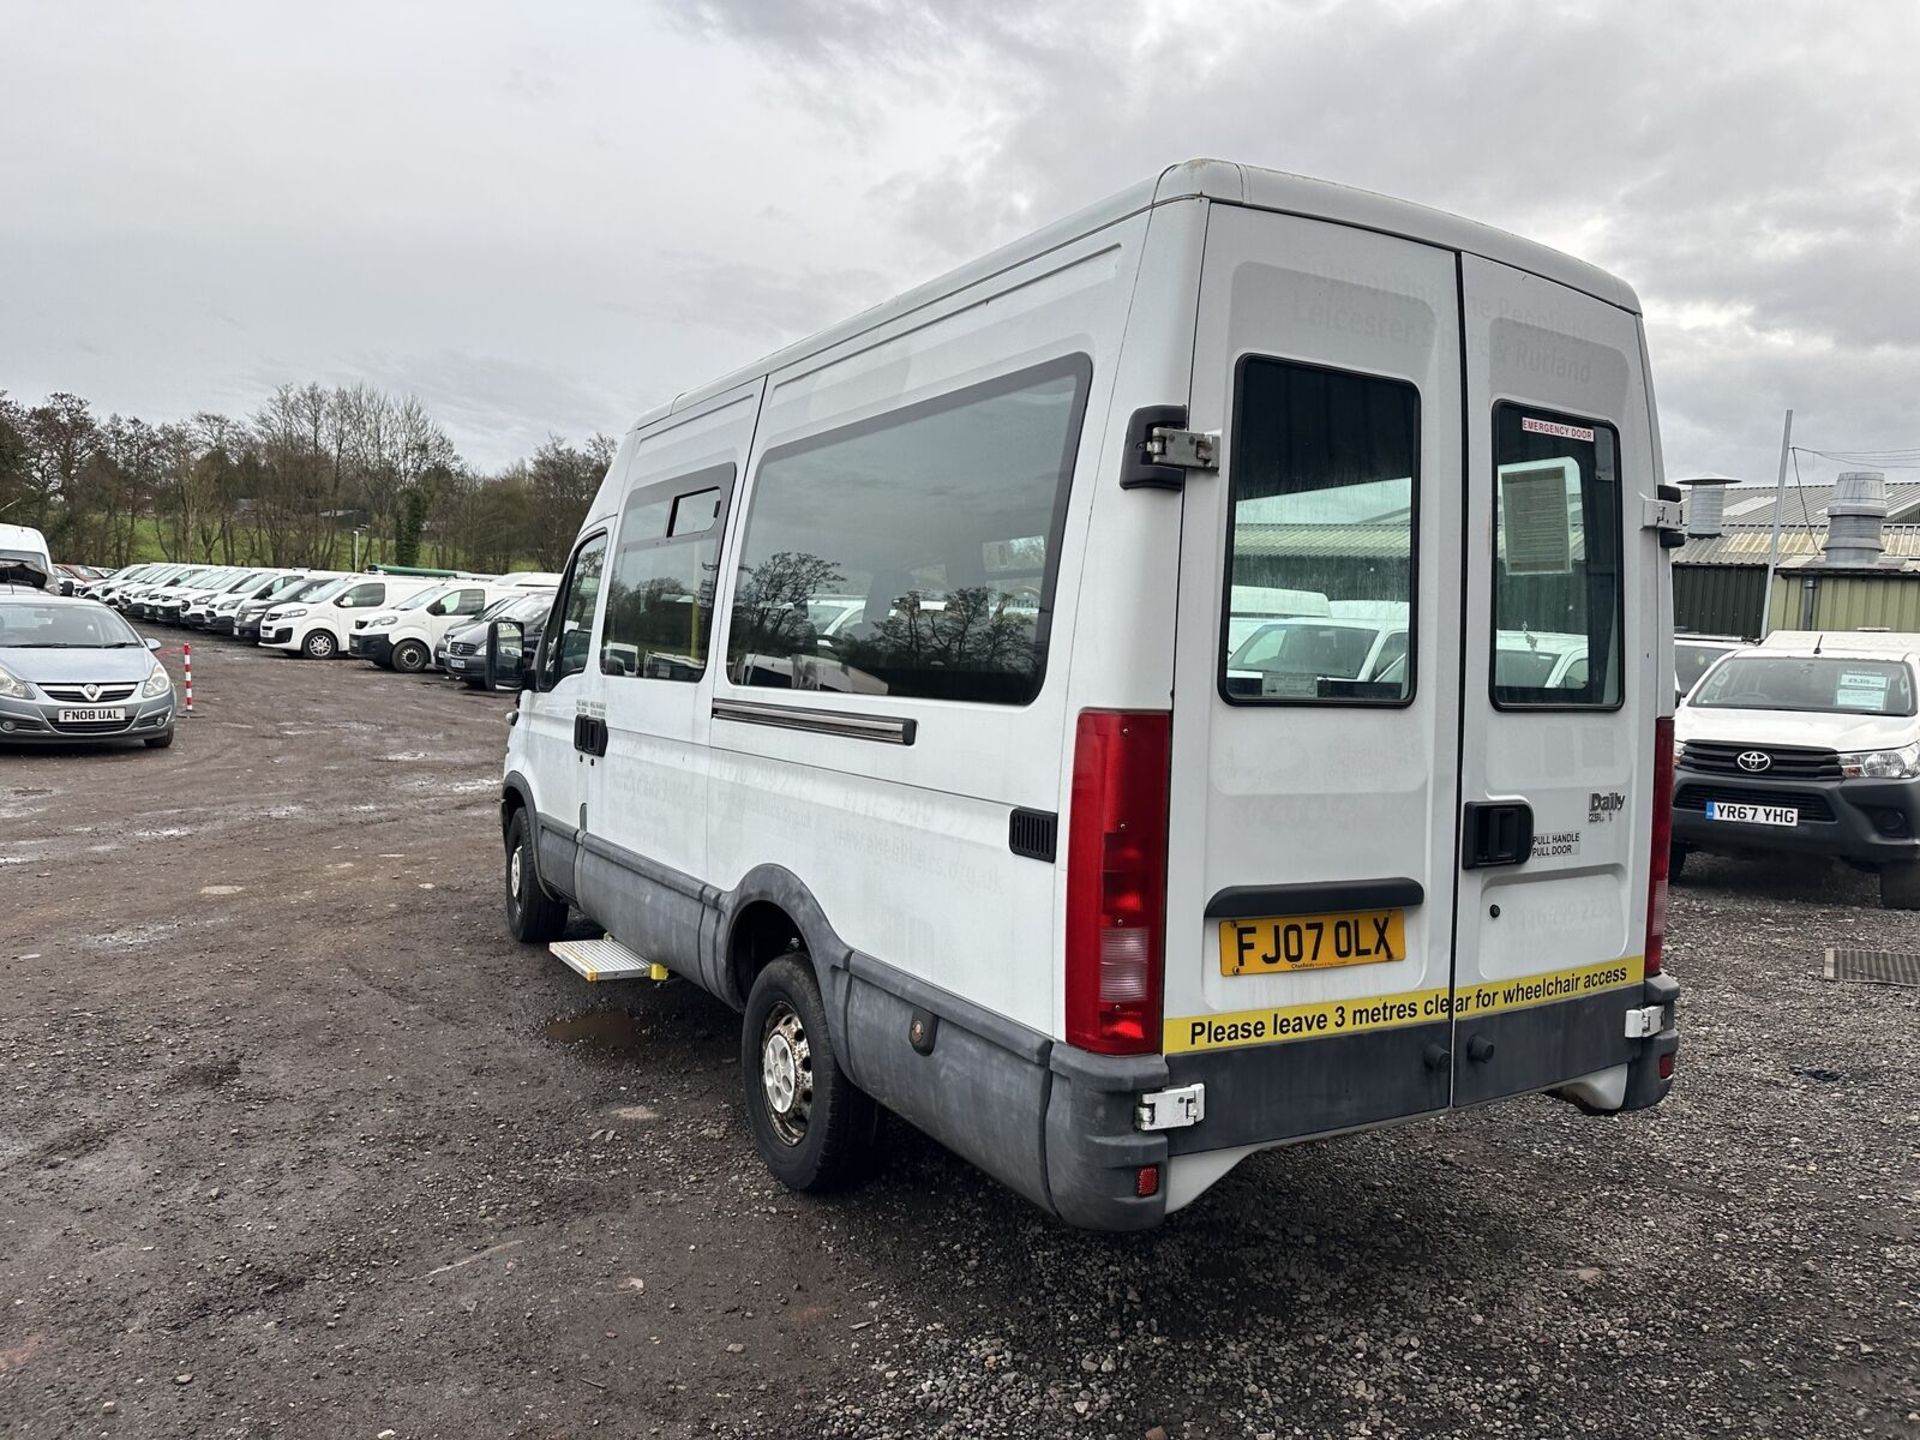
(1562, 602)
(1314, 796)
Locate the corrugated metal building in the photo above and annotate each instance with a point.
(1720, 575)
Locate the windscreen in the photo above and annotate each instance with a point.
(1823, 684)
(1307, 649)
(324, 588)
(1690, 662)
(425, 597)
(62, 627)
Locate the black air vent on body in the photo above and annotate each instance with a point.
(1033, 833)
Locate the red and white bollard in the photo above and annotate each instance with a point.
(186, 675)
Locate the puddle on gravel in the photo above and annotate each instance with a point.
(605, 1035)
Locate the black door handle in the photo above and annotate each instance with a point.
(589, 735)
(1498, 832)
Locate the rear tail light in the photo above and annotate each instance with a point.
(1116, 881)
(1659, 860)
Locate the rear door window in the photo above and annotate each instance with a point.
(1557, 582)
(1319, 600)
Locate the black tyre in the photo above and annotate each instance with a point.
(1676, 861)
(410, 657)
(1900, 886)
(319, 645)
(160, 742)
(533, 916)
(811, 1124)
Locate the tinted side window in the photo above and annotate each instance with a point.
(1320, 559)
(660, 589)
(913, 554)
(565, 646)
(461, 602)
(1557, 582)
(361, 596)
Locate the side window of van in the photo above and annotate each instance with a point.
(461, 602)
(913, 554)
(660, 588)
(1320, 551)
(359, 597)
(565, 645)
(1557, 583)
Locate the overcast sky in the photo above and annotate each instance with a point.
(551, 217)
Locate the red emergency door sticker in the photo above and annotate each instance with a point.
(1555, 428)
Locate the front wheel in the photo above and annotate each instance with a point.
(160, 742)
(319, 645)
(811, 1124)
(410, 657)
(533, 916)
(1900, 886)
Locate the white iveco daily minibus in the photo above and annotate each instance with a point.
(890, 695)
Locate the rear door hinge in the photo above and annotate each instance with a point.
(1185, 449)
(1645, 1020)
(1173, 1109)
(1161, 451)
(1665, 516)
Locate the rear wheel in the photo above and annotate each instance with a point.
(533, 916)
(410, 657)
(319, 645)
(811, 1124)
(1676, 861)
(1900, 886)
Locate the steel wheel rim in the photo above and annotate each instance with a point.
(786, 1073)
(513, 873)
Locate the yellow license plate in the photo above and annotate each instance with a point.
(1312, 942)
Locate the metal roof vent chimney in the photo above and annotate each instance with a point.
(1854, 517)
(1706, 504)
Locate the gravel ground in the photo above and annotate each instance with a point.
(295, 1141)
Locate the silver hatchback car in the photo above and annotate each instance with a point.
(73, 672)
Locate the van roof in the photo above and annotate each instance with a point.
(1223, 181)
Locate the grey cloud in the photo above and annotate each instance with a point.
(1758, 166)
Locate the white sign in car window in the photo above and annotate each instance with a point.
(1536, 521)
(1861, 690)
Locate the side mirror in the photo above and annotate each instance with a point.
(152, 644)
(506, 655)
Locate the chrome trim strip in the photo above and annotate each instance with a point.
(887, 729)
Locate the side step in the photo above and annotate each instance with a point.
(606, 959)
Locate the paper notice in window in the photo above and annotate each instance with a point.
(1536, 526)
(1861, 690)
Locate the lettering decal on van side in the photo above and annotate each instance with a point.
(1603, 806)
(1387, 1012)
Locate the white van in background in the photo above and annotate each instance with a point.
(404, 637)
(24, 557)
(1006, 853)
(317, 626)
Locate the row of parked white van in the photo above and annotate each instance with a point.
(405, 621)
